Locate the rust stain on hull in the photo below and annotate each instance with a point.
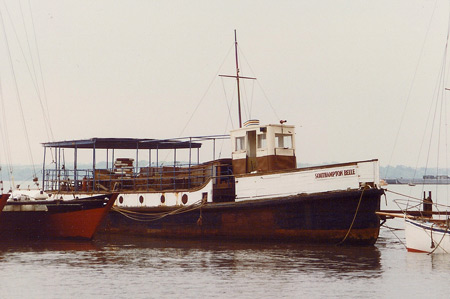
(324, 218)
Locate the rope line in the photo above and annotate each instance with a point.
(439, 244)
(354, 217)
(398, 238)
(147, 217)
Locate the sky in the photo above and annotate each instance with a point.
(355, 77)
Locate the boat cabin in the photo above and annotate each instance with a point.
(263, 148)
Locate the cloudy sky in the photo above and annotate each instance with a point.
(342, 72)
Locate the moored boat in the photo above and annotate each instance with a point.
(25, 217)
(427, 236)
(256, 193)
(427, 224)
(260, 197)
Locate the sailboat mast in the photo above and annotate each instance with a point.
(237, 79)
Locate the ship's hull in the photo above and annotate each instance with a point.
(328, 217)
(74, 219)
(426, 237)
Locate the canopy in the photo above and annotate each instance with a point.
(123, 143)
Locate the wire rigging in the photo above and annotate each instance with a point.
(5, 137)
(32, 71)
(408, 97)
(16, 87)
(204, 96)
(260, 86)
(48, 119)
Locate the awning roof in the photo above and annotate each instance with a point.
(124, 143)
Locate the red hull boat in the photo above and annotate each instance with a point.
(55, 219)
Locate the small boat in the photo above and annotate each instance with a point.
(427, 235)
(26, 217)
(427, 231)
(257, 193)
(427, 224)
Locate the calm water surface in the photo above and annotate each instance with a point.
(124, 267)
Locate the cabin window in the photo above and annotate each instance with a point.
(283, 140)
(262, 141)
(240, 143)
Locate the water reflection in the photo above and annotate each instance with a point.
(24, 245)
(195, 255)
(231, 256)
(142, 265)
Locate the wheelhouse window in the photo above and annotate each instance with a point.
(262, 141)
(283, 140)
(240, 143)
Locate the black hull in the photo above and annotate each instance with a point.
(316, 218)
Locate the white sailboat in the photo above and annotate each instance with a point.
(427, 236)
(426, 226)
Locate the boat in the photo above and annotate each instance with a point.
(256, 193)
(427, 236)
(27, 217)
(427, 224)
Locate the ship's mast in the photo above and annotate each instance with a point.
(237, 78)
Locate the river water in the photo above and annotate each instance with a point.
(136, 267)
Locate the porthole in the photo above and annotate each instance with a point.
(120, 199)
(141, 199)
(163, 199)
(184, 199)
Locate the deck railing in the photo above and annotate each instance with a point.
(145, 179)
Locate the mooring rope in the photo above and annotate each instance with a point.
(354, 217)
(439, 244)
(401, 194)
(147, 217)
(391, 229)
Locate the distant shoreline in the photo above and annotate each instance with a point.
(391, 174)
(431, 181)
